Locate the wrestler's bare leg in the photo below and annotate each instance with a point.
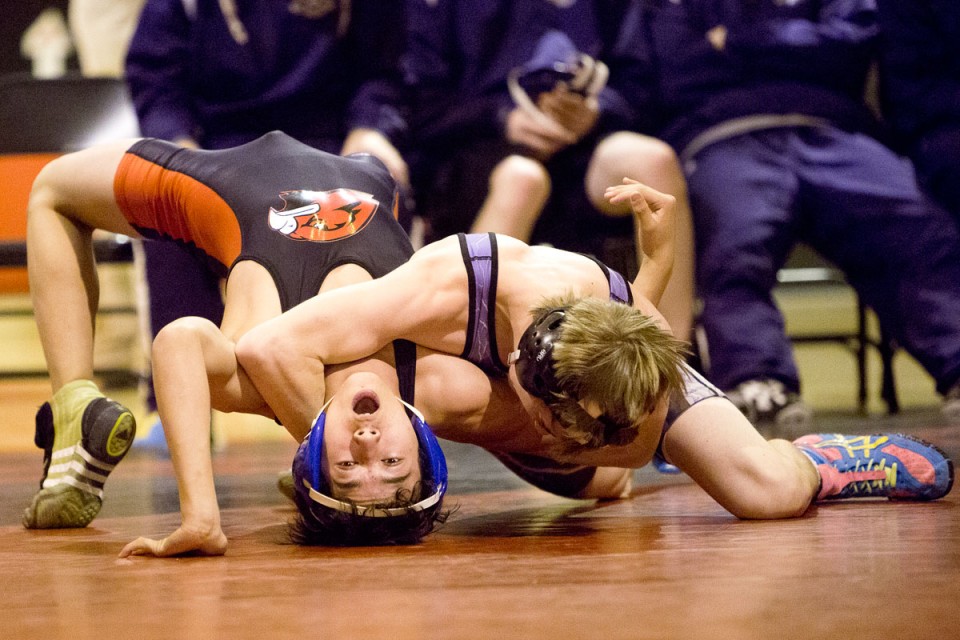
(749, 476)
(83, 434)
(72, 196)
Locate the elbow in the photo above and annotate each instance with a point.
(259, 351)
(609, 483)
(177, 336)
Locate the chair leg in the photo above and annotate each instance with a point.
(862, 342)
(888, 389)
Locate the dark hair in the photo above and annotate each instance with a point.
(316, 525)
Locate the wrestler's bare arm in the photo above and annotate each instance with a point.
(195, 370)
(418, 301)
(186, 354)
(424, 300)
(655, 214)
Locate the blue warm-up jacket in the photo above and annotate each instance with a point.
(225, 77)
(808, 57)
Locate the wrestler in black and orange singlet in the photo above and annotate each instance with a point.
(295, 210)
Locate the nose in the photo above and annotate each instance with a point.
(366, 434)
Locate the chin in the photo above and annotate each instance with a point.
(365, 380)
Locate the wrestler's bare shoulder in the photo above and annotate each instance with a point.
(549, 271)
(442, 247)
(438, 265)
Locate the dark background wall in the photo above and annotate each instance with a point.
(17, 16)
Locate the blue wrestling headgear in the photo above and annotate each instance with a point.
(309, 482)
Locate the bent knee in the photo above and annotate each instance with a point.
(644, 151)
(256, 349)
(632, 155)
(521, 174)
(43, 192)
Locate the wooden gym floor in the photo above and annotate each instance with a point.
(512, 562)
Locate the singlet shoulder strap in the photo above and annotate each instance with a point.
(479, 252)
(405, 357)
(619, 288)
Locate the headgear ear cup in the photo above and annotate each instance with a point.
(315, 449)
(308, 460)
(534, 361)
(535, 371)
(434, 453)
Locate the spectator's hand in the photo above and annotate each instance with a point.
(206, 542)
(543, 136)
(376, 144)
(717, 37)
(572, 111)
(187, 142)
(655, 213)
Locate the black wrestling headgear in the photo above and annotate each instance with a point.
(534, 355)
(535, 371)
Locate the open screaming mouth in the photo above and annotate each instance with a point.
(365, 402)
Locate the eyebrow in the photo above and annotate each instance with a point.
(355, 484)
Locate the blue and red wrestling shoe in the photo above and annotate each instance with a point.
(893, 466)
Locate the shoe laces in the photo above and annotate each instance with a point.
(860, 450)
(871, 467)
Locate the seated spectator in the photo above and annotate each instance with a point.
(535, 170)
(920, 90)
(764, 102)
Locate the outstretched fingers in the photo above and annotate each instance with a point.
(142, 547)
(642, 198)
(180, 542)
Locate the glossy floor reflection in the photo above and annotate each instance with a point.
(511, 562)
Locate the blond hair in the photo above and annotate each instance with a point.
(615, 356)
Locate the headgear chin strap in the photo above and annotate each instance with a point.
(555, 60)
(309, 482)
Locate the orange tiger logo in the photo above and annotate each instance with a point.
(323, 216)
